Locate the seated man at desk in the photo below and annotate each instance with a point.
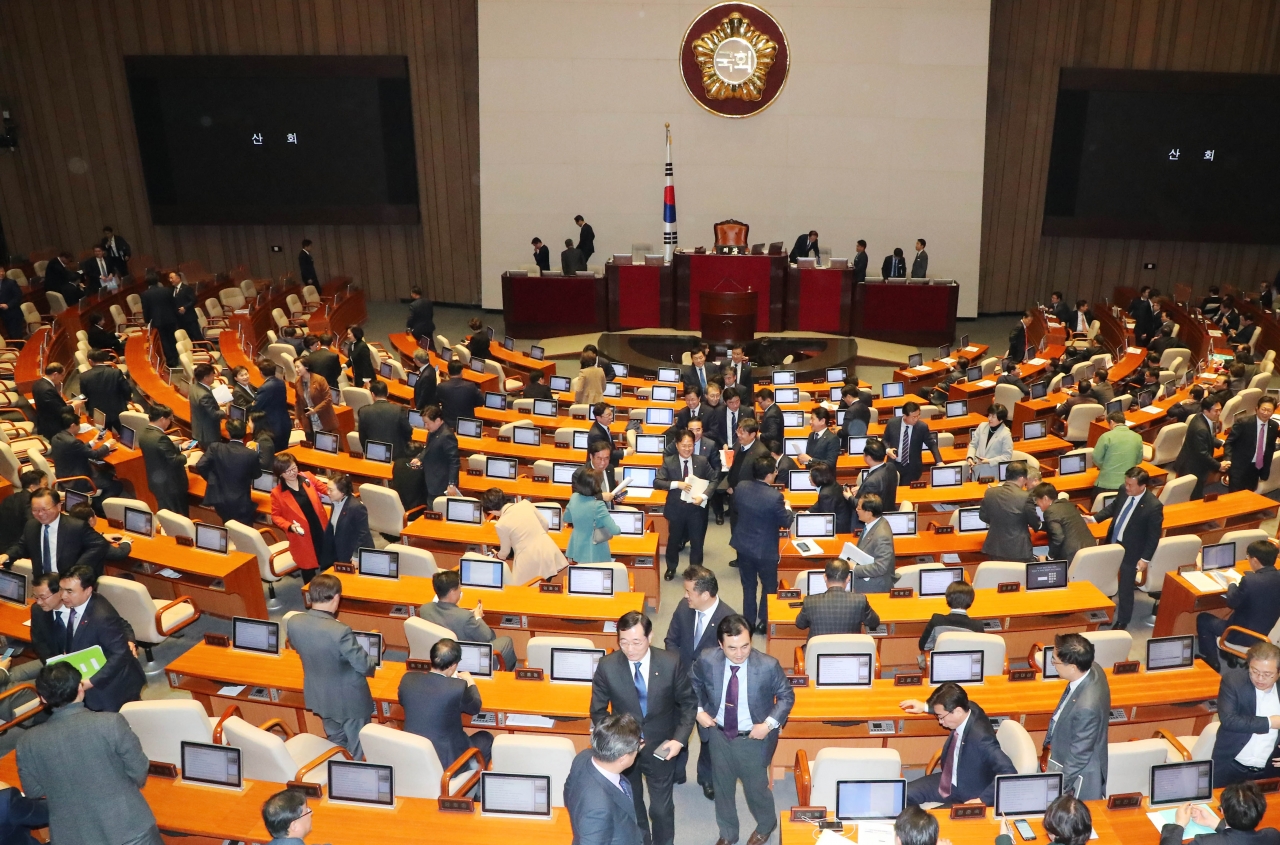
(971, 756)
(287, 817)
(1243, 807)
(838, 610)
(1254, 603)
(434, 702)
(466, 625)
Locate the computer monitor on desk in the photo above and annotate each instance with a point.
(13, 588)
(1170, 653)
(503, 468)
(1178, 783)
(893, 390)
(470, 427)
(799, 481)
(575, 665)
(934, 582)
(256, 635)
(969, 520)
(641, 480)
(816, 583)
(263, 483)
(839, 374)
(631, 522)
(562, 473)
(211, 538)
(551, 513)
(326, 441)
(858, 800)
(662, 393)
(526, 435)
(378, 564)
(513, 795)
(612, 390)
(371, 643)
(585, 580)
(961, 667)
(668, 374)
(462, 510)
(560, 384)
(784, 377)
(1047, 575)
(787, 395)
(212, 765)
(139, 522)
(377, 451)
(1218, 556)
(843, 670)
(71, 498)
(1071, 464)
(957, 408)
(902, 523)
(1035, 429)
(659, 416)
(650, 444)
(1023, 796)
(363, 784)
(479, 571)
(477, 659)
(952, 476)
(128, 436)
(809, 525)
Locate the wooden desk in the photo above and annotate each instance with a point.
(1180, 600)
(406, 345)
(640, 296)
(696, 272)
(931, 372)
(820, 300)
(553, 305)
(342, 462)
(223, 585)
(1025, 618)
(911, 311)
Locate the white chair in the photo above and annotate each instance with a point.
(1178, 490)
(1078, 421)
(387, 515)
(462, 353)
(991, 573)
(57, 303)
(284, 625)
(1100, 566)
(531, 754)
(175, 524)
(909, 576)
(816, 781)
(274, 560)
(989, 366)
(356, 398)
(1008, 395)
(1109, 648)
(1033, 463)
(1129, 764)
(1184, 749)
(415, 562)
(40, 464)
(1260, 381)
(1171, 554)
(1088, 339)
(1273, 483)
(802, 581)
(232, 298)
(134, 420)
(153, 620)
(1243, 538)
(422, 635)
(1230, 409)
(418, 772)
(1165, 448)
(265, 756)
(113, 508)
(1101, 362)
(839, 644)
(992, 646)
(1081, 369)
(506, 429)
(1018, 746)
(162, 725)
(538, 650)
(1087, 451)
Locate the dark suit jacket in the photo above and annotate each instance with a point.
(685, 414)
(533, 391)
(771, 427)
(433, 706)
(386, 423)
(49, 404)
(671, 703)
(1080, 737)
(768, 693)
(1144, 319)
(93, 274)
(458, 398)
(803, 248)
(11, 295)
(206, 415)
(440, 462)
(1009, 511)
(689, 375)
(122, 678)
(831, 500)
(761, 514)
(71, 456)
(158, 308)
(361, 364)
(230, 470)
(836, 612)
(948, 620)
(166, 468)
(600, 812)
(1062, 311)
(586, 240)
(888, 270)
(325, 362)
(77, 544)
(424, 391)
(422, 321)
(599, 434)
(860, 266)
(307, 269)
(18, 814)
(106, 389)
(542, 257)
(1254, 602)
(1145, 525)
(1068, 532)
(858, 411)
(100, 338)
(1196, 456)
(572, 260)
(824, 447)
(335, 667)
(1241, 447)
(684, 622)
(717, 422)
(184, 296)
(1237, 709)
(910, 467)
(742, 460)
(671, 470)
(920, 265)
(120, 255)
(883, 481)
(350, 534)
(981, 759)
(1171, 834)
(1017, 343)
(273, 400)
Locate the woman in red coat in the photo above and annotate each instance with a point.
(296, 510)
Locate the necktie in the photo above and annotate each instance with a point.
(102, 267)
(625, 786)
(1048, 736)
(948, 771)
(702, 377)
(1123, 521)
(1262, 438)
(641, 690)
(686, 464)
(733, 422)
(731, 704)
(48, 556)
(698, 627)
(71, 628)
(904, 454)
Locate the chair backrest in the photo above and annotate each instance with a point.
(621, 577)
(991, 645)
(443, 342)
(278, 317)
(132, 601)
(989, 366)
(413, 759)
(1079, 369)
(118, 317)
(248, 288)
(731, 233)
(162, 724)
(175, 524)
(1099, 565)
(1243, 538)
(30, 314)
(1203, 747)
(40, 464)
(1178, 490)
(284, 625)
(232, 298)
(57, 304)
(839, 644)
(1032, 462)
(506, 428)
(1018, 746)
(538, 649)
(18, 276)
(1168, 442)
(1087, 451)
(802, 580)
(1008, 395)
(263, 755)
(531, 754)
(311, 295)
(114, 507)
(991, 573)
(295, 304)
(283, 355)
(1079, 418)
(1109, 647)
(419, 563)
(386, 511)
(214, 307)
(40, 266)
(135, 420)
(422, 635)
(1129, 764)
(1171, 553)
(356, 398)
(1101, 361)
(247, 540)
(1230, 409)
(1260, 381)
(10, 467)
(831, 765)
(462, 353)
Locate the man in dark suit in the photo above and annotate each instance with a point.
(335, 668)
(1247, 332)
(321, 360)
(95, 270)
(74, 459)
(1138, 523)
(876, 541)
(541, 255)
(117, 250)
(741, 370)
(422, 321)
(1018, 339)
(230, 469)
(860, 262)
(693, 630)
(722, 420)
(49, 401)
(1077, 733)
(206, 414)
(697, 374)
(806, 245)
(1081, 318)
(1196, 455)
(457, 396)
(694, 409)
(600, 433)
(161, 314)
(598, 793)
(686, 521)
(61, 279)
(920, 264)
(823, 443)
(1248, 704)
(273, 400)
(307, 269)
(770, 416)
(467, 625)
(894, 266)
(534, 389)
(1067, 530)
(1058, 308)
(782, 462)
(905, 439)
(11, 296)
(384, 421)
(762, 512)
(85, 621)
(704, 445)
(971, 756)
(184, 303)
(652, 686)
(586, 239)
(959, 598)
(838, 610)
(571, 259)
(434, 702)
(747, 449)
(166, 466)
(1145, 325)
(105, 388)
(1009, 512)
(439, 460)
(348, 528)
(881, 479)
(743, 734)
(54, 541)
(857, 411)
(1243, 806)
(1250, 445)
(1254, 603)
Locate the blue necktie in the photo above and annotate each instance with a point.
(642, 691)
(625, 785)
(1123, 521)
(48, 556)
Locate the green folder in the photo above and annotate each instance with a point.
(87, 660)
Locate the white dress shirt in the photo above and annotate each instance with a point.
(644, 668)
(613, 777)
(700, 620)
(51, 564)
(955, 750)
(744, 709)
(1120, 529)
(1257, 751)
(64, 613)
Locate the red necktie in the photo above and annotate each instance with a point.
(686, 464)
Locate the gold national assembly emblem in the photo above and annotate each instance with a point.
(734, 59)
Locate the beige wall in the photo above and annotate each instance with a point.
(877, 135)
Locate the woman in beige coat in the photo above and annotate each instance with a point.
(522, 529)
(591, 381)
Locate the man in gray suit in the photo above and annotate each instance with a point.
(837, 611)
(1008, 512)
(596, 793)
(335, 669)
(384, 421)
(920, 266)
(206, 416)
(571, 259)
(743, 734)
(1065, 525)
(434, 702)
(467, 625)
(1077, 733)
(166, 466)
(877, 541)
(89, 765)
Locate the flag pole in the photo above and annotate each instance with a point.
(669, 236)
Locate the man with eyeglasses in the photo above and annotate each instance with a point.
(971, 756)
(1077, 735)
(287, 817)
(1249, 710)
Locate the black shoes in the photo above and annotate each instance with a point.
(762, 628)
(719, 519)
(669, 575)
(709, 791)
(734, 563)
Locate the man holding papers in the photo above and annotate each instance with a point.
(971, 756)
(1254, 603)
(86, 621)
(875, 559)
(685, 476)
(837, 611)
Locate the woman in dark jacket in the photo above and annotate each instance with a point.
(831, 496)
(265, 439)
(358, 357)
(478, 343)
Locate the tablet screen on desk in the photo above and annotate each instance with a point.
(361, 783)
(944, 351)
(613, 390)
(546, 408)
(477, 365)
(1071, 464)
(384, 369)
(970, 519)
(799, 481)
(128, 436)
(794, 445)
(631, 522)
(1026, 795)
(13, 587)
(211, 538)
(857, 444)
(589, 580)
(378, 563)
(650, 444)
(1049, 672)
(371, 642)
(377, 451)
(915, 359)
(411, 379)
(662, 393)
(71, 498)
(495, 401)
(237, 412)
(784, 377)
(642, 478)
(816, 583)
(470, 427)
(934, 582)
(536, 353)
(946, 476)
(255, 635)
(668, 374)
(509, 343)
(1218, 556)
(263, 483)
(837, 374)
(477, 659)
(787, 395)
(336, 395)
(480, 572)
(138, 522)
(581, 437)
(902, 523)
(1039, 390)
(504, 468)
(620, 370)
(462, 510)
(893, 389)
(575, 664)
(973, 374)
(957, 408)
(563, 473)
(326, 442)
(659, 416)
(835, 394)
(1170, 653)
(561, 384)
(1176, 783)
(216, 765)
(526, 435)
(551, 513)
(1034, 430)
(516, 795)
(1113, 406)
(870, 799)
(844, 670)
(815, 525)
(961, 667)
(1047, 575)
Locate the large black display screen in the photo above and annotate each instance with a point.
(275, 139)
(1165, 155)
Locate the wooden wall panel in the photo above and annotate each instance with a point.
(77, 165)
(1030, 41)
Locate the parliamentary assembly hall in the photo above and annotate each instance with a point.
(610, 422)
